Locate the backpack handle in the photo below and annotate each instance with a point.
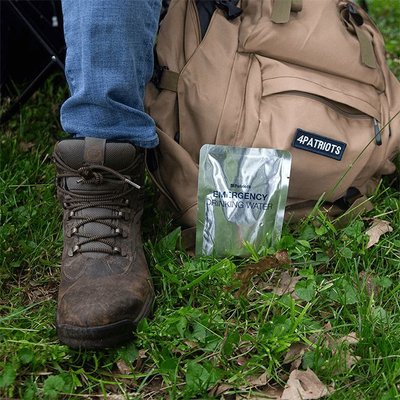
(281, 10)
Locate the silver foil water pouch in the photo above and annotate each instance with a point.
(242, 194)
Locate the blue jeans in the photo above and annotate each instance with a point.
(109, 61)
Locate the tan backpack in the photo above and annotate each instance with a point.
(306, 76)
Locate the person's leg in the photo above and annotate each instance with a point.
(105, 287)
(109, 61)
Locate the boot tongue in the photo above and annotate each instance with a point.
(79, 153)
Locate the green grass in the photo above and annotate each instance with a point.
(202, 335)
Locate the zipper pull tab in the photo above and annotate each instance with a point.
(378, 136)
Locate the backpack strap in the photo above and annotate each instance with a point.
(281, 10)
(353, 21)
(169, 80)
(163, 78)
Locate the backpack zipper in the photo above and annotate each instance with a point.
(345, 112)
(377, 129)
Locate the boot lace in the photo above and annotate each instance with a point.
(107, 200)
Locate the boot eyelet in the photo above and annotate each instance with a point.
(72, 251)
(116, 250)
(74, 230)
(127, 202)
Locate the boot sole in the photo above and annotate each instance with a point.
(102, 337)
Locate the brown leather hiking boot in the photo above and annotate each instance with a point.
(105, 285)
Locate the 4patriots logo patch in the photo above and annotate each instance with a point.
(318, 144)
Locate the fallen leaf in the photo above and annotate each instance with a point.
(335, 343)
(140, 359)
(347, 359)
(376, 230)
(123, 367)
(217, 390)
(191, 344)
(286, 284)
(304, 385)
(153, 389)
(267, 263)
(25, 147)
(346, 362)
(269, 394)
(261, 380)
(295, 354)
(339, 346)
(273, 392)
(351, 360)
(241, 360)
(351, 338)
(370, 286)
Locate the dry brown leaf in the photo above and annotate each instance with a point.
(140, 359)
(273, 392)
(295, 354)
(191, 344)
(340, 346)
(217, 390)
(123, 367)
(346, 362)
(335, 343)
(350, 361)
(267, 263)
(26, 146)
(269, 394)
(261, 380)
(347, 359)
(370, 286)
(351, 338)
(317, 337)
(286, 284)
(152, 390)
(376, 230)
(304, 385)
(328, 326)
(241, 360)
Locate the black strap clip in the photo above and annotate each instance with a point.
(229, 7)
(353, 12)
